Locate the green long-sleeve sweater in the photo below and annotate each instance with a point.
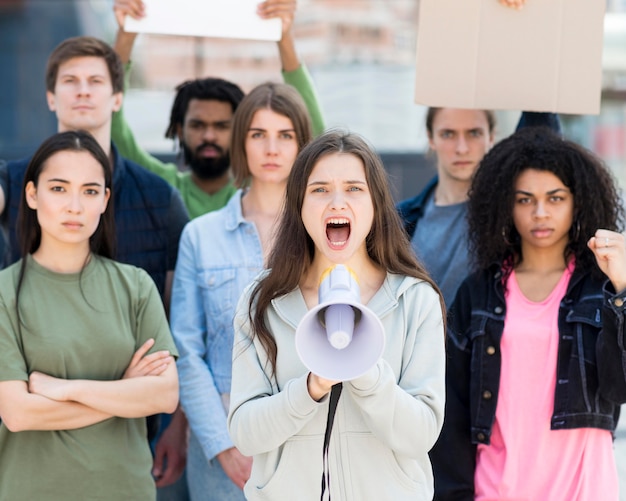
(196, 200)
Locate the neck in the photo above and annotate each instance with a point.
(542, 260)
(101, 134)
(369, 275)
(263, 199)
(62, 258)
(211, 186)
(451, 191)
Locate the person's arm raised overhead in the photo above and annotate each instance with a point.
(124, 40)
(294, 72)
(121, 133)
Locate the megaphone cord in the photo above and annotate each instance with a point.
(335, 393)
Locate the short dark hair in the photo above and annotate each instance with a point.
(204, 89)
(432, 112)
(85, 47)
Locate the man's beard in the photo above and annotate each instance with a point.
(206, 168)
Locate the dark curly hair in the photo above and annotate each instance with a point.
(203, 89)
(492, 234)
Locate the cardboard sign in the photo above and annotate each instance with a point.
(206, 18)
(480, 54)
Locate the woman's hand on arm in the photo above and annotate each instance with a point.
(148, 365)
(128, 398)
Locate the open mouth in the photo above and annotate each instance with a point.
(337, 231)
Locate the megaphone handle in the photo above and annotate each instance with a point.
(335, 393)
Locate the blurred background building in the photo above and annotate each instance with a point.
(361, 54)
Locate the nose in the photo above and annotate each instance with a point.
(461, 144)
(75, 205)
(209, 134)
(83, 88)
(271, 146)
(338, 201)
(540, 210)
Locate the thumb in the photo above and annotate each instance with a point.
(157, 468)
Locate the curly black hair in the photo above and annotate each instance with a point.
(203, 89)
(492, 234)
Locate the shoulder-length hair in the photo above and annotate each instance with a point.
(492, 234)
(387, 243)
(280, 98)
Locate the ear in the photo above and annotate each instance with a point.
(118, 99)
(50, 97)
(31, 195)
(431, 143)
(105, 203)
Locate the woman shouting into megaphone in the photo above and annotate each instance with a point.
(339, 211)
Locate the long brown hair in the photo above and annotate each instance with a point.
(387, 244)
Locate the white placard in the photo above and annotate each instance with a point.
(206, 18)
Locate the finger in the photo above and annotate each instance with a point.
(169, 476)
(143, 349)
(159, 462)
(133, 8)
(158, 367)
(276, 8)
(153, 367)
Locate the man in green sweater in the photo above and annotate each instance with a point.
(202, 113)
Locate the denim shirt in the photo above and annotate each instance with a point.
(220, 254)
(590, 372)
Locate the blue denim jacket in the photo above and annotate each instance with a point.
(219, 255)
(591, 369)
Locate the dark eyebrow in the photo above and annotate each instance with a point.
(551, 192)
(259, 129)
(324, 183)
(65, 181)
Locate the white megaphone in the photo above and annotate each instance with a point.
(340, 339)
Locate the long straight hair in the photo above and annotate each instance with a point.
(387, 243)
(102, 242)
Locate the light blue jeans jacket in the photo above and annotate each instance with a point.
(219, 255)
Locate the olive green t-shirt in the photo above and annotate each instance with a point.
(78, 326)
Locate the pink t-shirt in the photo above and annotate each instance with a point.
(527, 461)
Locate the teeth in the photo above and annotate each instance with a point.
(338, 220)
